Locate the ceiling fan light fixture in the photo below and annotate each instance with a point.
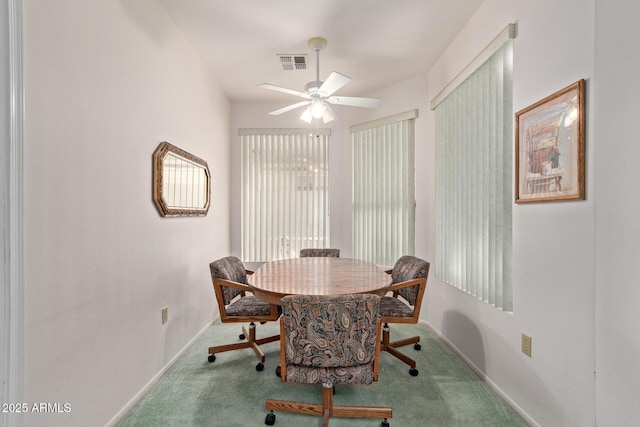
(328, 115)
(306, 115)
(317, 108)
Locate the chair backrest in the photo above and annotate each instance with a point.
(330, 339)
(409, 268)
(229, 268)
(312, 252)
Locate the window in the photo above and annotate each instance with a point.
(473, 126)
(285, 199)
(384, 188)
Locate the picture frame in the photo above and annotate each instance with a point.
(550, 147)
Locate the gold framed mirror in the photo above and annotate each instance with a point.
(181, 182)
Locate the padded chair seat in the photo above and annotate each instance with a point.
(393, 307)
(248, 306)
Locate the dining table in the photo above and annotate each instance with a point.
(317, 276)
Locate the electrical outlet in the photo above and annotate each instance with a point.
(526, 345)
(165, 315)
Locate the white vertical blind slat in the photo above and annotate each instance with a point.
(285, 193)
(384, 190)
(473, 183)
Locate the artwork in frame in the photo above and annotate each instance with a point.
(550, 158)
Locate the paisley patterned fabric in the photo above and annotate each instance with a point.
(248, 306)
(408, 268)
(330, 339)
(232, 269)
(393, 307)
(334, 253)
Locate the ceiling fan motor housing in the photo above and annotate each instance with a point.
(312, 87)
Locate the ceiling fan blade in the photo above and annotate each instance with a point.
(282, 89)
(334, 82)
(289, 108)
(354, 101)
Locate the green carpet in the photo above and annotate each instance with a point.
(231, 393)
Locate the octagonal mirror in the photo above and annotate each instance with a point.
(181, 182)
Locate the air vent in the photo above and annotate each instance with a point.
(293, 62)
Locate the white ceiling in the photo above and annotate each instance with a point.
(375, 42)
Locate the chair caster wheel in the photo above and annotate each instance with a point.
(259, 366)
(385, 423)
(241, 336)
(211, 358)
(270, 419)
(413, 372)
(417, 346)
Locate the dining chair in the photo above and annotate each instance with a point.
(315, 252)
(235, 304)
(408, 283)
(329, 340)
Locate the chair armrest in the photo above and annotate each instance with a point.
(397, 286)
(389, 271)
(229, 283)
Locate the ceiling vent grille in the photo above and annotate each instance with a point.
(293, 62)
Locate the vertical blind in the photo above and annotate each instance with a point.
(473, 127)
(285, 192)
(384, 188)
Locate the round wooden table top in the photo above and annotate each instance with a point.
(317, 276)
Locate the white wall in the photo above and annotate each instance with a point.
(553, 243)
(106, 82)
(617, 227)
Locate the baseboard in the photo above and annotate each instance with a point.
(122, 412)
(483, 376)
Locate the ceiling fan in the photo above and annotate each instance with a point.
(319, 94)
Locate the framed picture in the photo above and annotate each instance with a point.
(550, 147)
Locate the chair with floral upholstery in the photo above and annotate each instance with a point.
(314, 252)
(329, 340)
(409, 280)
(236, 305)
